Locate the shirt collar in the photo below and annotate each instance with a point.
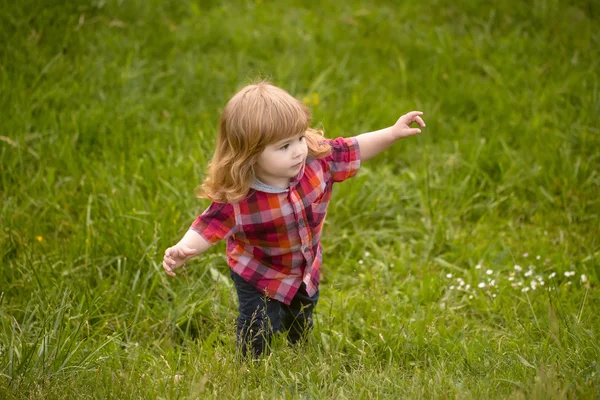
(263, 187)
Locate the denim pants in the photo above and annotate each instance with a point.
(260, 317)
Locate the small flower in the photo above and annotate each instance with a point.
(529, 273)
(537, 257)
(552, 275)
(306, 100)
(481, 284)
(569, 283)
(511, 278)
(360, 261)
(448, 275)
(461, 283)
(315, 99)
(451, 287)
(494, 295)
(468, 287)
(583, 278)
(470, 297)
(493, 282)
(478, 266)
(569, 273)
(39, 239)
(367, 254)
(525, 289)
(525, 254)
(533, 285)
(489, 272)
(518, 268)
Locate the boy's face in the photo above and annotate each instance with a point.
(279, 162)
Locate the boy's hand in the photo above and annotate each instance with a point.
(402, 129)
(175, 257)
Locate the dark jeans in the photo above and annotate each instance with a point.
(260, 316)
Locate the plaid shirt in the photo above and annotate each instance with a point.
(273, 239)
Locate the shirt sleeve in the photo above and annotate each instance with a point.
(344, 160)
(216, 222)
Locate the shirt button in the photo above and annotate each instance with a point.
(305, 249)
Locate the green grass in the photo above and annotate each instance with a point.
(109, 117)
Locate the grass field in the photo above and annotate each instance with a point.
(462, 263)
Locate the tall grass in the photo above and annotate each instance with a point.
(110, 112)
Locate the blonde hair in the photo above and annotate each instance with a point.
(258, 115)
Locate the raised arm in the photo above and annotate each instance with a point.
(190, 245)
(373, 143)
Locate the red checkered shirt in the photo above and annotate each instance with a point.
(273, 239)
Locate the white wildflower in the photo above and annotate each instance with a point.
(537, 257)
(448, 276)
(470, 297)
(478, 266)
(583, 278)
(569, 273)
(367, 254)
(552, 275)
(533, 285)
(481, 284)
(360, 261)
(489, 272)
(525, 254)
(525, 289)
(493, 282)
(452, 287)
(529, 273)
(511, 278)
(468, 287)
(518, 268)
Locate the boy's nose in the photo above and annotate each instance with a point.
(297, 151)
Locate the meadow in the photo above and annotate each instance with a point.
(461, 263)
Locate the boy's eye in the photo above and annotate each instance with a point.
(284, 147)
(302, 138)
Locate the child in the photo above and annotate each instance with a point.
(270, 182)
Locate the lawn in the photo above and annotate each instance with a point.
(461, 263)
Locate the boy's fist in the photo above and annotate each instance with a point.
(175, 257)
(402, 127)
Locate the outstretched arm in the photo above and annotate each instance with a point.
(192, 244)
(373, 143)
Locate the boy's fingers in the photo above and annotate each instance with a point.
(413, 114)
(168, 270)
(412, 131)
(420, 121)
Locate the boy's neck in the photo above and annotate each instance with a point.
(282, 183)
